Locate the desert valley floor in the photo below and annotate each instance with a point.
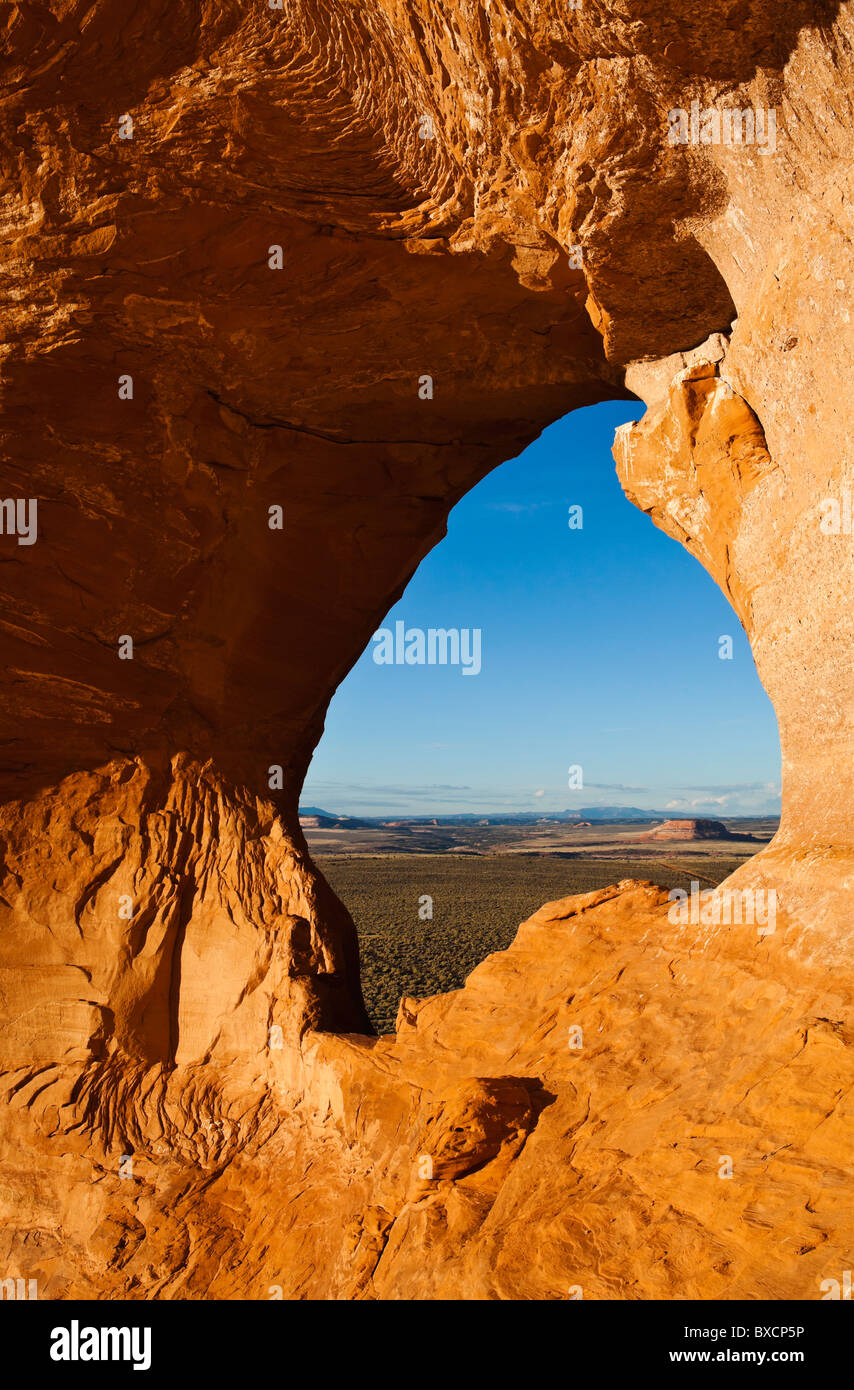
(482, 882)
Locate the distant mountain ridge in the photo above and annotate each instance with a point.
(332, 819)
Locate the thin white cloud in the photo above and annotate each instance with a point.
(517, 506)
(354, 798)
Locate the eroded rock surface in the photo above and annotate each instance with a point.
(688, 829)
(485, 195)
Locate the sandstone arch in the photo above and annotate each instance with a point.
(715, 283)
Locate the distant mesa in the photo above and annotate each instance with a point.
(693, 830)
(313, 818)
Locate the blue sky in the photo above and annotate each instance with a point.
(599, 650)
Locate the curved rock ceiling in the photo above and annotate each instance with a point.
(275, 222)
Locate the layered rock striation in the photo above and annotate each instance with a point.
(686, 829)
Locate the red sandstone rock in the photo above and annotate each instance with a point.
(692, 830)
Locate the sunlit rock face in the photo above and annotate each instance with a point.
(281, 284)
